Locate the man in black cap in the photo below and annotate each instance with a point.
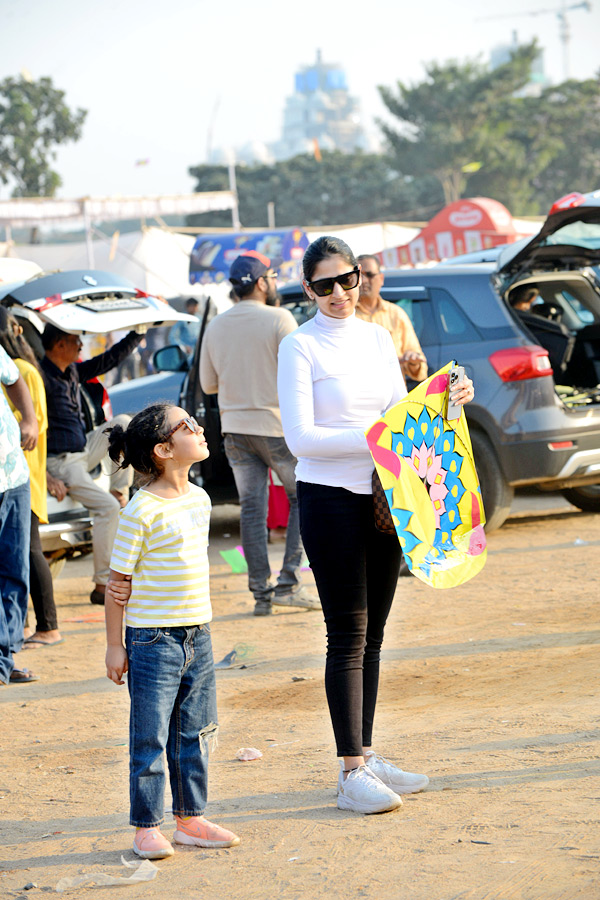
(238, 361)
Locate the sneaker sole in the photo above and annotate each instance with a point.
(153, 854)
(354, 806)
(180, 837)
(301, 604)
(409, 788)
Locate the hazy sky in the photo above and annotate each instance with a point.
(154, 73)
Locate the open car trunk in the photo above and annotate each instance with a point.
(565, 320)
(565, 316)
(89, 302)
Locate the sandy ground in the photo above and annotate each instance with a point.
(491, 689)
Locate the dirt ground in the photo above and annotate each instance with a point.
(491, 689)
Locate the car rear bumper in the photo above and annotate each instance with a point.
(537, 463)
(72, 534)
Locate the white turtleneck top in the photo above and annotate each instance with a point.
(335, 378)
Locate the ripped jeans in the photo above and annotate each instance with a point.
(171, 682)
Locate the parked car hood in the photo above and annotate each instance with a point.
(87, 301)
(570, 237)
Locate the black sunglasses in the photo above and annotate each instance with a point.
(324, 286)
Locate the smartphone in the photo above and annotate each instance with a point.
(457, 374)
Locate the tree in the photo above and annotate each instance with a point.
(458, 117)
(550, 148)
(34, 119)
(340, 188)
(569, 114)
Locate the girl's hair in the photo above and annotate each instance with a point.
(134, 446)
(15, 344)
(321, 249)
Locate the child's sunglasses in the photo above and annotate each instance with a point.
(189, 421)
(324, 286)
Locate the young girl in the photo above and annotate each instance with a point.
(161, 543)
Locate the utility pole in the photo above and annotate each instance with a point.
(235, 215)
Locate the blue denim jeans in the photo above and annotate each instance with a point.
(15, 524)
(251, 456)
(171, 682)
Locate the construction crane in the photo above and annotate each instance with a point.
(564, 31)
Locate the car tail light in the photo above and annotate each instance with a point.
(569, 201)
(561, 445)
(106, 405)
(520, 363)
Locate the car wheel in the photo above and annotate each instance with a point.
(586, 497)
(497, 494)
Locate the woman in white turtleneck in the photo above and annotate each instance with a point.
(337, 374)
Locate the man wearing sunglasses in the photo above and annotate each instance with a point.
(238, 361)
(373, 308)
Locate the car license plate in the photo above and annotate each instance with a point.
(110, 304)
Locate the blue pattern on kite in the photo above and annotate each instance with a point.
(428, 431)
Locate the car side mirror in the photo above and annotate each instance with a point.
(170, 359)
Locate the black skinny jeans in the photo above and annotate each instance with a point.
(356, 572)
(40, 582)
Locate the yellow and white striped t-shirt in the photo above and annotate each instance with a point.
(163, 545)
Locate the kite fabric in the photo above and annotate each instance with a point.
(425, 463)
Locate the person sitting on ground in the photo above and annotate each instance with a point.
(73, 454)
(41, 587)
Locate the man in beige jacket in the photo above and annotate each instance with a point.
(372, 308)
(238, 361)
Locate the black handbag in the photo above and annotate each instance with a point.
(381, 507)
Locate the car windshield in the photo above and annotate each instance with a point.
(576, 234)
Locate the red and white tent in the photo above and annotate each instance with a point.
(462, 227)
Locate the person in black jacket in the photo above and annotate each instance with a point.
(73, 454)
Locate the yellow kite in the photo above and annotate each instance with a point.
(425, 463)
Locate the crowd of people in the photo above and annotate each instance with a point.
(294, 400)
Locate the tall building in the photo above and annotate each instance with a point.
(538, 79)
(320, 112)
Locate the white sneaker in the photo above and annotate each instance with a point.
(363, 792)
(399, 781)
(299, 598)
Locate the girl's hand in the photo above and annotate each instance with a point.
(116, 663)
(119, 591)
(463, 392)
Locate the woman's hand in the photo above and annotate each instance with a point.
(119, 591)
(463, 392)
(116, 663)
